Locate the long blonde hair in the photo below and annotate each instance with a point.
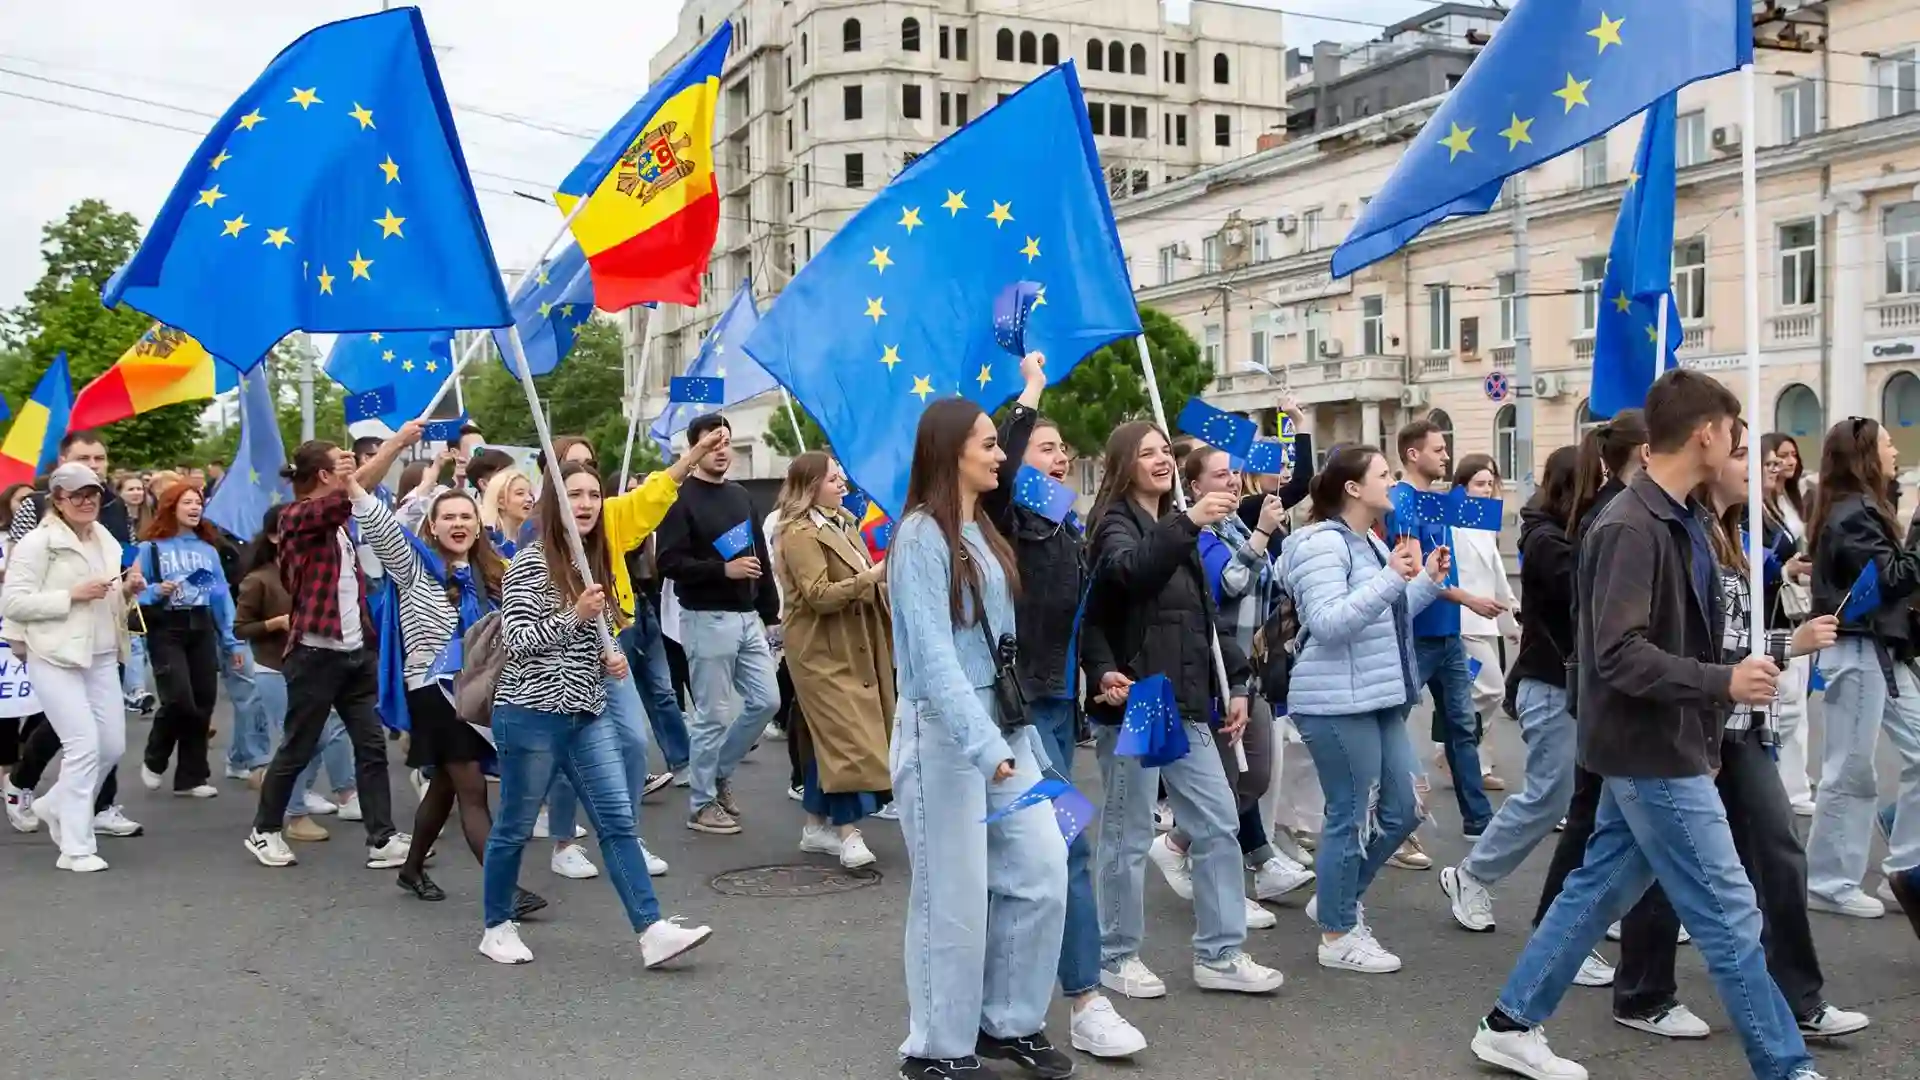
(496, 490)
(795, 502)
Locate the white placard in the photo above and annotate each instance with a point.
(16, 690)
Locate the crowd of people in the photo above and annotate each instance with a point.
(528, 640)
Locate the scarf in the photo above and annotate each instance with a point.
(471, 602)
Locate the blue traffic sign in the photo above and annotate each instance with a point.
(1495, 385)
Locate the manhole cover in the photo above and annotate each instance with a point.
(794, 880)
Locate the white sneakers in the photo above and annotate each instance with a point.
(656, 866)
(1175, 866)
(1470, 902)
(270, 848)
(349, 808)
(1279, 876)
(1133, 979)
(81, 864)
(851, 849)
(854, 853)
(667, 939)
(1237, 972)
(1356, 950)
(149, 779)
(1831, 1021)
(1525, 1053)
(570, 861)
(1259, 918)
(114, 822)
(20, 813)
(1852, 902)
(1594, 971)
(390, 854)
(203, 791)
(1676, 1021)
(316, 806)
(502, 945)
(1098, 1030)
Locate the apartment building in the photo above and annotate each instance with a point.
(1239, 253)
(823, 101)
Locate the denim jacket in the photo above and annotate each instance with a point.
(1356, 618)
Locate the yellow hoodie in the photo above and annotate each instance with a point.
(630, 518)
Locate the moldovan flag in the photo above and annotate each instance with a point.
(652, 206)
(34, 439)
(165, 367)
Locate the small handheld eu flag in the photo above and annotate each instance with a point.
(1473, 512)
(696, 390)
(1042, 494)
(1267, 458)
(368, 405)
(1217, 427)
(1863, 598)
(735, 541)
(1011, 310)
(446, 431)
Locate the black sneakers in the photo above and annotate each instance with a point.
(526, 903)
(1031, 1052)
(966, 1068)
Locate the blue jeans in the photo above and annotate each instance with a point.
(1859, 709)
(534, 748)
(1053, 719)
(255, 730)
(335, 752)
(985, 901)
(727, 658)
(136, 675)
(623, 712)
(1365, 764)
(1527, 818)
(647, 656)
(1443, 670)
(1673, 830)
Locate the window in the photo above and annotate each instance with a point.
(1503, 287)
(806, 184)
(1137, 60)
(1166, 128)
(1169, 258)
(1901, 226)
(1097, 117)
(1262, 243)
(1210, 255)
(1899, 409)
(1180, 68)
(1139, 121)
(946, 109)
(1799, 266)
(789, 72)
(1096, 55)
(806, 114)
(1593, 271)
(700, 26)
(1441, 420)
(910, 34)
(807, 237)
(1116, 58)
(1180, 130)
(1896, 82)
(1593, 163)
(1001, 99)
(1003, 45)
(1310, 229)
(1210, 350)
(1166, 67)
(1453, 81)
(850, 36)
(946, 44)
(1690, 278)
(1690, 139)
(789, 135)
(789, 196)
(1373, 325)
(1798, 413)
(1222, 129)
(1220, 68)
(1439, 319)
(1139, 181)
(1506, 439)
(852, 104)
(856, 170)
(1311, 334)
(1029, 48)
(1257, 342)
(803, 50)
(1050, 50)
(1584, 420)
(960, 109)
(910, 101)
(1799, 109)
(960, 43)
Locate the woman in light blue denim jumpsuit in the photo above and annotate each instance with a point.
(988, 900)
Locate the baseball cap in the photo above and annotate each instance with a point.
(74, 476)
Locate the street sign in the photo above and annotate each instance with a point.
(1495, 385)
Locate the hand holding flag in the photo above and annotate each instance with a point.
(1042, 494)
(1863, 597)
(695, 390)
(735, 541)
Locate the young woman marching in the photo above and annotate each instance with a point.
(547, 720)
(189, 617)
(987, 902)
(1150, 612)
(1484, 573)
(1353, 682)
(1785, 500)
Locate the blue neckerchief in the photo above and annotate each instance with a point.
(385, 605)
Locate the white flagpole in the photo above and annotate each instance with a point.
(639, 383)
(1750, 228)
(1180, 501)
(453, 377)
(794, 419)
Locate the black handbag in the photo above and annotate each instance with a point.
(1007, 691)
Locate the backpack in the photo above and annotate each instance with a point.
(1274, 646)
(483, 655)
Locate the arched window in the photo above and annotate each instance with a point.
(1506, 448)
(910, 34)
(1003, 45)
(1116, 58)
(1029, 48)
(1797, 412)
(1049, 50)
(850, 36)
(1221, 71)
(1900, 413)
(1584, 420)
(1137, 58)
(1440, 419)
(1096, 55)
(803, 50)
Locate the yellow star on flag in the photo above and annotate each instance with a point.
(546, 308)
(326, 281)
(956, 202)
(1458, 141)
(874, 310)
(211, 195)
(253, 476)
(278, 238)
(891, 356)
(248, 121)
(218, 160)
(1002, 213)
(1632, 179)
(362, 114)
(390, 225)
(392, 170)
(234, 225)
(1622, 303)
(1575, 92)
(922, 386)
(541, 278)
(305, 98)
(376, 337)
(1608, 32)
(985, 376)
(1040, 296)
(566, 312)
(406, 365)
(1032, 250)
(433, 366)
(1518, 131)
(387, 355)
(360, 265)
(910, 219)
(881, 259)
(1653, 336)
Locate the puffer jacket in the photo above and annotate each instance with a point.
(1356, 617)
(1853, 535)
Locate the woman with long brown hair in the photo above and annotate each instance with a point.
(839, 648)
(1785, 501)
(1870, 673)
(189, 617)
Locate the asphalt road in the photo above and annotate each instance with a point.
(188, 959)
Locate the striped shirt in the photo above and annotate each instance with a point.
(554, 661)
(427, 620)
(1734, 643)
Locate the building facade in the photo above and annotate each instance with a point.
(1411, 61)
(823, 101)
(1239, 254)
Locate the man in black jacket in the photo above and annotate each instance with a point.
(1651, 707)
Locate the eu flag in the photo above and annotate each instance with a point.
(549, 307)
(722, 356)
(1554, 76)
(1639, 276)
(331, 197)
(414, 364)
(1217, 427)
(254, 482)
(899, 307)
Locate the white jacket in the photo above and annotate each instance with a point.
(1482, 572)
(37, 604)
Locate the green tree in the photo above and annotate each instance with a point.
(1107, 389)
(780, 433)
(581, 397)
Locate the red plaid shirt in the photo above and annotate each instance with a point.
(310, 560)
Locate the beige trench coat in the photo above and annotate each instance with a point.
(839, 650)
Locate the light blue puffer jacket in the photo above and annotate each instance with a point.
(1355, 655)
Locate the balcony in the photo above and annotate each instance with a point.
(1360, 378)
(1695, 339)
(1583, 347)
(1793, 328)
(1437, 365)
(1503, 357)
(1894, 315)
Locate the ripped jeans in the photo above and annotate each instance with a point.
(1366, 767)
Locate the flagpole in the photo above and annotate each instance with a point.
(639, 382)
(453, 377)
(1750, 229)
(794, 419)
(1180, 501)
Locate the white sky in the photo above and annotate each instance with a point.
(571, 64)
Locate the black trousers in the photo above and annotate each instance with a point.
(1639, 989)
(1761, 819)
(39, 747)
(320, 681)
(789, 720)
(184, 646)
(9, 741)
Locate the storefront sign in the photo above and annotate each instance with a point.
(1892, 350)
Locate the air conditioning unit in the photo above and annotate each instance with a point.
(1184, 251)
(1726, 138)
(1549, 386)
(1287, 224)
(1331, 349)
(1413, 397)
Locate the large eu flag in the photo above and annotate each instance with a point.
(254, 483)
(415, 364)
(898, 308)
(332, 196)
(550, 305)
(722, 356)
(1639, 278)
(1555, 75)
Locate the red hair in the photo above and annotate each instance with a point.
(166, 515)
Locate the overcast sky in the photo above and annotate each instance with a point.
(177, 64)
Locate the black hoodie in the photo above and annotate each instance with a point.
(1546, 617)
